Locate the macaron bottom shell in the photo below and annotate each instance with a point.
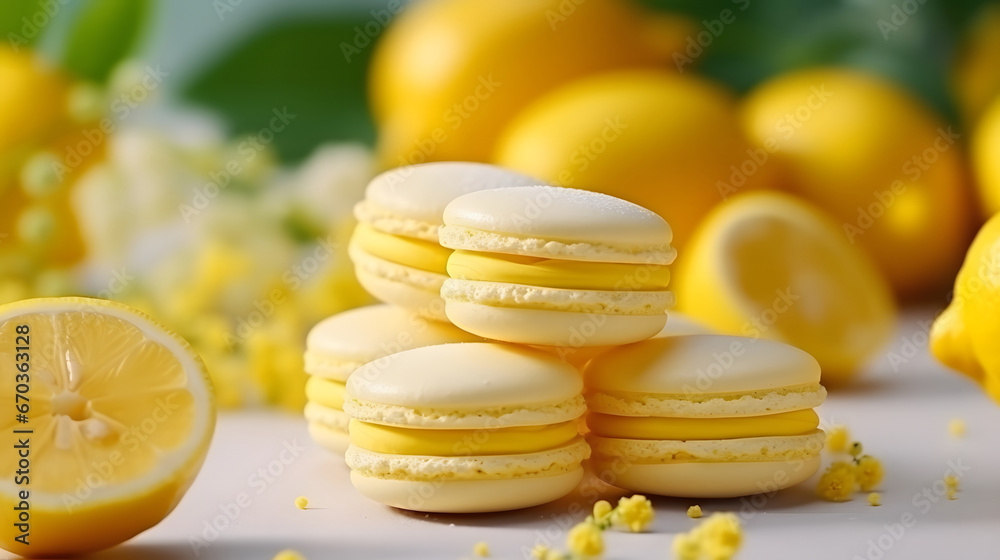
(545, 327)
(328, 427)
(467, 496)
(707, 480)
(404, 286)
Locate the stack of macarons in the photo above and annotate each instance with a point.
(491, 277)
(395, 248)
(705, 416)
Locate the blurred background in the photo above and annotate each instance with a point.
(199, 159)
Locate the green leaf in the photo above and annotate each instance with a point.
(298, 66)
(104, 33)
(22, 22)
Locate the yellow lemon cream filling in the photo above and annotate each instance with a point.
(397, 440)
(783, 424)
(326, 392)
(399, 249)
(555, 273)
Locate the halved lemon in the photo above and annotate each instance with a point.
(105, 419)
(769, 265)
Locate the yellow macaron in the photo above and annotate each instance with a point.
(395, 246)
(705, 416)
(469, 427)
(343, 343)
(556, 267)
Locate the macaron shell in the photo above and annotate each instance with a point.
(467, 496)
(603, 302)
(753, 449)
(702, 365)
(329, 438)
(340, 344)
(752, 403)
(563, 459)
(406, 287)
(552, 328)
(411, 200)
(557, 219)
(679, 324)
(467, 377)
(707, 480)
(328, 427)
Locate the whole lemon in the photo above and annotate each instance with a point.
(878, 160)
(447, 75)
(986, 158)
(965, 336)
(32, 103)
(670, 142)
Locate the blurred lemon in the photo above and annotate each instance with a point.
(965, 336)
(769, 265)
(43, 151)
(448, 74)
(975, 76)
(875, 158)
(986, 158)
(669, 142)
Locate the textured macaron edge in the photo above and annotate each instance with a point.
(604, 302)
(330, 417)
(389, 222)
(330, 367)
(559, 460)
(484, 418)
(471, 239)
(757, 449)
(707, 405)
(381, 268)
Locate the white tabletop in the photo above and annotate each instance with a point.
(900, 416)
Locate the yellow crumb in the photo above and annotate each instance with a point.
(636, 513)
(837, 483)
(951, 485)
(957, 428)
(301, 502)
(868, 473)
(694, 512)
(289, 555)
(585, 539)
(719, 537)
(540, 552)
(874, 499)
(836, 439)
(481, 549)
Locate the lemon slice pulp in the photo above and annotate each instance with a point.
(107, 418)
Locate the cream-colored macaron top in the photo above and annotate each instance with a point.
(338, 345)
(555, 222)
(411, 200)
(702, 364)
(466, 385)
